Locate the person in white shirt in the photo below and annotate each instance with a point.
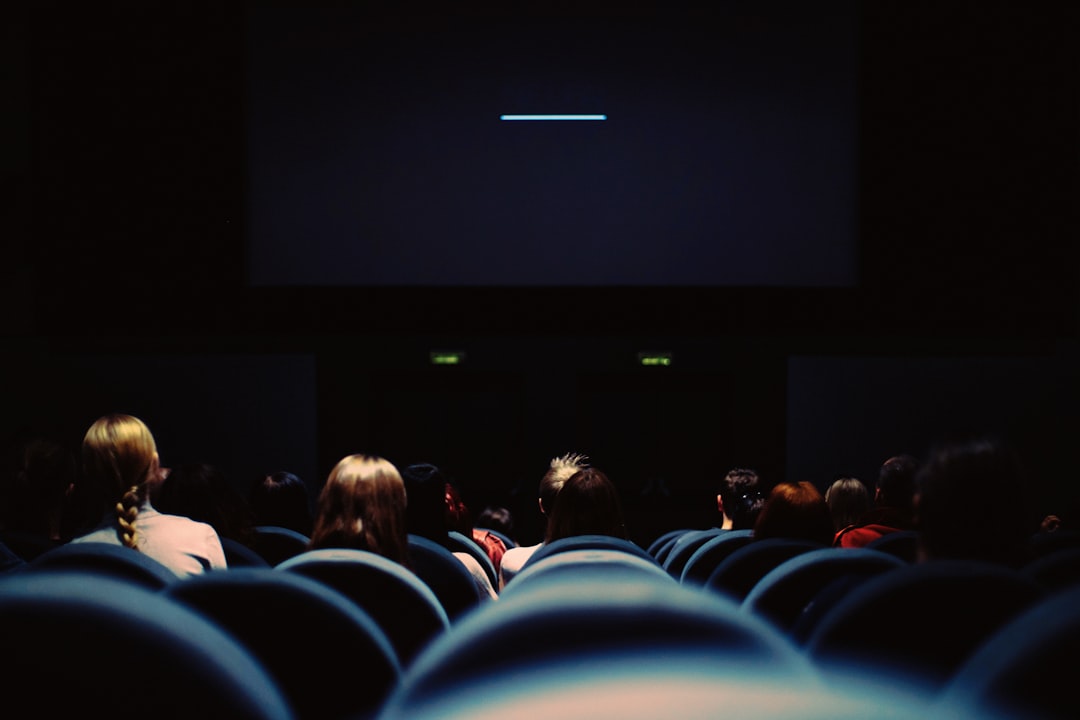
(559, 470)
(120, 456)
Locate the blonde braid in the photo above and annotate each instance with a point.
(127, 512)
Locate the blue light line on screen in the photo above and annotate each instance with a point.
(553, 117)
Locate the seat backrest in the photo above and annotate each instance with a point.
(329, 657)
(508, 541)
(1055, 570)
(1027, 667)
(278, 544)
(641, 621)
(587, 542)
(114, 561)
(711, 553)
(77, 640)
(684, 548)
(459, 542)
(785, 591)
(737, 574)
(446, 575)
(586, 565)
(904, 544)
(401, 603)
(921, 620)
(664, 542)
(237, 554)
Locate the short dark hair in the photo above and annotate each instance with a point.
(741, 491)
(896, 482)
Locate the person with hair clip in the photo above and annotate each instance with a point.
(739, 499)
(120, 456)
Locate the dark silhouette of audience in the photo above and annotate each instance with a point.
(739, 498)
(202, 492)
(848, 501)
(893, 504)
(795, 510)
(971, 504)
(38, 479)
(427, 516)
(499, 519)
(587, 504)
(119, 456)
(281, 499)
(362, 506)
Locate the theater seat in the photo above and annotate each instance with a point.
(591, 623)
(586, 565)
(79, 644)
(1027, 667)
(921, 621)
(115, 561)
(329, 657)
(401, 603)
(782, 595)
(588, 542)
(278, 544)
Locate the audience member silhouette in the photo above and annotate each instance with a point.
(39, 476)
(559, 470)
(739, 498)
(959, 503)
(892, 507)
(795, 510)
(499, 519)
(202, 492)
(281, 499)
(427, 516)
(459, 518)
(587, 504)
(848, 501)
(119, 455)
(362, 506)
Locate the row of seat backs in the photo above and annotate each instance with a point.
(566, 622)
(433, 593)
(994, 595)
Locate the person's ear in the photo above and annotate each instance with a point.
(540, 502)
(720, 504)
(155, 474)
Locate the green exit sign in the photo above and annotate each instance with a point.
(445, 357)
(653, 359)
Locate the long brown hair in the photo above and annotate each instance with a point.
(362, 506)
(120, 456)
(587, 504)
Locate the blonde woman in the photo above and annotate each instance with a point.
(120, 456)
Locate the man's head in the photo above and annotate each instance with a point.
(739, 498)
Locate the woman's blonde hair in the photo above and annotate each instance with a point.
(119, 455)
(362, 506)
